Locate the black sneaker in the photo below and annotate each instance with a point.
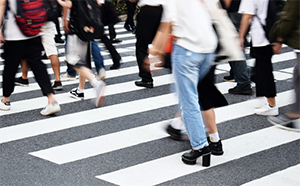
(148, 84)
(215, 147)
(176, 134)
(241, 89)
(229, 78)
(22, 82)
(57, 85)
(58, 40)
(74, 94)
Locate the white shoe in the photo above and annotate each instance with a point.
(99, 94)
(260, 102)
(4, 106)
(101, 74)
(50, 109)
(67, 77)
(266, 110)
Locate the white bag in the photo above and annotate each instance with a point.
(228, 36)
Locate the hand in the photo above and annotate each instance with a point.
(276, 48)
(241, 43)
(1, 38)
(66, 26)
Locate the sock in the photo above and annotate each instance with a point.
(271, 106)
(214, 137)
(79, 90)
(95, 83)
(178, 124)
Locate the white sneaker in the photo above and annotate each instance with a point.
(101, 74)
(4, 106)
(67, 77)
(266, 110)
(99, 94)
(50, 109)
(260, 102)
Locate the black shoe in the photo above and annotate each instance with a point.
(229, 78)
(44, 56)
(127, 27)
(22, 82)
(176, 134)
(115, 66)
(241, 89)
(76, 95)
(190, 158)
(57, 85)
(144, 84)
(133, 29)
(58, 40)
(116, 41)
(215, 147)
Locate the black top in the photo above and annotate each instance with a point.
(234, 6)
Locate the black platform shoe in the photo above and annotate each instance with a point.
(215, 147)
(190, 158)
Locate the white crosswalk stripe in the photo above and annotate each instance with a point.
(124, 142)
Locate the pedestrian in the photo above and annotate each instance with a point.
(255, 12)
(28, 48)
(148, 20)
(238, 71)
(287, 30)
(129, 24)
(78, 52)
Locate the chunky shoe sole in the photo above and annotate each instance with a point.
(205, 160)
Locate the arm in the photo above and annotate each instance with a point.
(227, 3)
(245, 23)
(65, 3)
(66, 22)
(160, 38)
(2, 10)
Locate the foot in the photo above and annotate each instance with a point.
(148, 84)
(57, 85)
(22, 82)
(133, 29)
(285, 122)
(190, 158)
(51, 109)
(58, 40)
(229, 78)
(74, 94)
(176, 134)
(241, 89)
(100, 94)
(127, 27)
(4, 106)
(115, 66)
(266, 110)
(215, 147)
(67, 77)
(101, 74)
(116, 41)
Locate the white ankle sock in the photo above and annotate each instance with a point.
(95, 83)
(214, 137)
(178, 124)
(80, 90)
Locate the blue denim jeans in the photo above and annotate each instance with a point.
(188, 68)
(98, 59)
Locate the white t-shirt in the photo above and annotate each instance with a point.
(150, 2)
(259, 8)
(191, 24)
(11, 29)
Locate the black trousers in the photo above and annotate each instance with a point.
(264, 79)
(130, 13)
(31, 51)
(148, 21)
(112, 50)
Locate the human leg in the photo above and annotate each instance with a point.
(113, 52)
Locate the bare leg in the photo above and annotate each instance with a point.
(209, 120)
(24, 68)
(271, 101)
(81, 82)
(55, 66)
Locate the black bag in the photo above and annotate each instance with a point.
(85, 20)
(52, 9)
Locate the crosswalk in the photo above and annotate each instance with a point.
(124, 142)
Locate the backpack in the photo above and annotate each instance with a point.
(30, 16)
(85, 20)
(52, 9)
(275, 7)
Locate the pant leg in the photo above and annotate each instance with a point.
(240, 72)
(112, 50)
(130, 13)
(265, 85)
(187, 66)
(11, 64)
(33, 57)
(296, 84)
(147, 24)
(98, 59)
(70, 69)
(112, 31)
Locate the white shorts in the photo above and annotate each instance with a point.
(49, 31)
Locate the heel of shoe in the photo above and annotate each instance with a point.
(206, 160)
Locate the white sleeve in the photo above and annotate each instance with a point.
(168, 11)
(247, 7)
